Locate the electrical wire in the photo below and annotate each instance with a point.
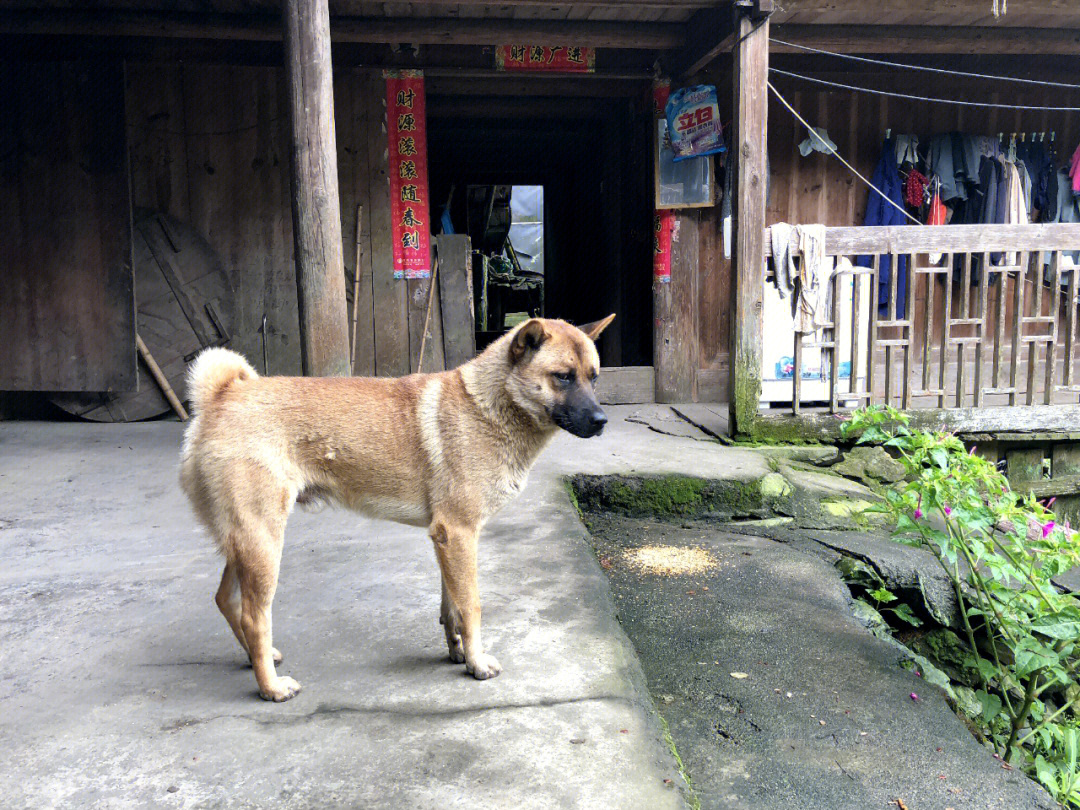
(943, 71)
(834, 153)
(909, 97)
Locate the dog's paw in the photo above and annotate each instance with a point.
(484, 666)
(455, 648)
(276, 653)
(282, 689)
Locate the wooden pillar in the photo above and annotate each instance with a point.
(751, 74)
(676, 354)
(320, 275)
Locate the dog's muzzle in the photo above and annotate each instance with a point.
(582, 422)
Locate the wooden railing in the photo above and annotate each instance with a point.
(988, 338)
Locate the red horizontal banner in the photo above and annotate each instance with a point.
(554, 58)
(410, 210)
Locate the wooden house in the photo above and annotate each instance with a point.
(149, 183)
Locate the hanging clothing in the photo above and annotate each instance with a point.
(939, 160)
(987, 147)
(821, 143)
(1074, 171)
(915, 188)
(1040, 168)
(811, 311)
(907, 150)
(966, 158)
(784, 271)
(1016, 210)
(879, 211)
(1067, 207)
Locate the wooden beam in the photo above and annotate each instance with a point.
(751, 73)
(638, 5)
(911, 39)
(825, 427)
(422, 30)
(881, 8)
(709, 33)
(954, 239)
(320, 275)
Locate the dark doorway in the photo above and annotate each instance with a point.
(592, 158)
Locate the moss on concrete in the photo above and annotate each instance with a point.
(572, 494)
(681, 496)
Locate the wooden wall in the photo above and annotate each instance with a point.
(67, 312)
(209, 145)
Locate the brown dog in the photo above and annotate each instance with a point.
(444, 451)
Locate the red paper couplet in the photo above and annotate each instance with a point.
(410, 211)
(664, 224)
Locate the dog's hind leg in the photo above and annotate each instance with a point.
(455, 547)
(258, 558)
(450, 619)
(228, 602)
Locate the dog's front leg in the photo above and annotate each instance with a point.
(455, 547)
(450, 619)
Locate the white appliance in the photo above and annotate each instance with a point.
(778, 348)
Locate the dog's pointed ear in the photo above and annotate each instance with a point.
(528, 337)
(593, 330)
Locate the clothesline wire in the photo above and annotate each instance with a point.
(835, 154)
(925, 68)
(909, 97)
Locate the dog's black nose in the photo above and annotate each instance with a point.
(597, 420)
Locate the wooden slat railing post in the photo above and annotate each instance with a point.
(751, 75)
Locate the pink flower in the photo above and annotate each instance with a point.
(914, 696)
(1050, 502)
(918, 514)
(1047, 528)
(947, 510)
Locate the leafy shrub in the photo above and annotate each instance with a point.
(1000, 550)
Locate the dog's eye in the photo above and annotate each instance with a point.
(563, 377)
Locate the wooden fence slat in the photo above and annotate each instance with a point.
(909, 331)
(931, 285)
(1070, 326)
(1051, 346)
(456, 294)
(1035, 265)
(389, 295)
(871, 357)
(944, 353)
(834, 364)
(980, 348)
(1018, 318)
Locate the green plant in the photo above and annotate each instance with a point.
(1000, 550)
(869, 583)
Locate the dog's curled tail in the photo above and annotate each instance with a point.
(212, 372)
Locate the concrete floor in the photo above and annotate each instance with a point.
(120, 685)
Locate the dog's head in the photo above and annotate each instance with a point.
(553, 370)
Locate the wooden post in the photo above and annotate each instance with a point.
(676, 345)
(751, 75)
(320, 274)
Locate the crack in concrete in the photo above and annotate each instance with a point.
(331, 710)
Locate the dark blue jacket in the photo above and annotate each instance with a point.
(879, 212)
